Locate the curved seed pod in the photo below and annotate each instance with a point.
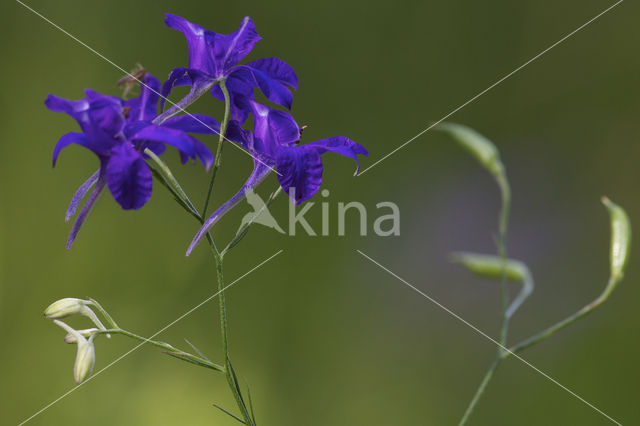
(620, 238)
(480, 147)
(491, 267)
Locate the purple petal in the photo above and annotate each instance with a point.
(193, 123)
(145, 106)
(231, 49)
(128, 177)
(158, 148)
(240, 84)
(341, 145)
(199, 42)
(275, 78)
(236, 133)
(80, 194)
(199, 81)
(84, 213)
(105, 112)
(260, 171)
(214, 53)
(277, 70)
(186, 144)
(76, 109)
(299, 172)
(272, 129)
(69, 139)
(99, 116)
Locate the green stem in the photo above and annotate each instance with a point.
(224, 330)
(218, 156)
(104, 313)
(502, 252)
(545, 334)
(483, 385)
(503, 222)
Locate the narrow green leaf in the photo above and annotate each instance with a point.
(195, 360)
(164, 175)
(230, 414)
(198, 351)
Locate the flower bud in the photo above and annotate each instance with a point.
(85, 359)
(86, 354)
(65, 307)
(71, 306)
(71, 338)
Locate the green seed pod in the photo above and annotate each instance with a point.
(480, 147)
(620, 238)
(491, 266)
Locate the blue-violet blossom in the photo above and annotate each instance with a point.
(214, 57)
(118, 131)
(274, 143)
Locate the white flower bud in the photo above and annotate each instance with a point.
(65, 307)
(72, 306)
(85, 359)
(85, 356)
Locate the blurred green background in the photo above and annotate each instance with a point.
(323, 336)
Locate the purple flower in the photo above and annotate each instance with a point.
(274, 143)
(213, 57)
(118, 131)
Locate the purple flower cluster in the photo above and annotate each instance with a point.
(118, 131)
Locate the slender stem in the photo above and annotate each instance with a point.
(483, 385)
(225, 339)
(104, 313)
(503, 223)
(218, 157)
(550, 331)
(502, 252)
(224, 330)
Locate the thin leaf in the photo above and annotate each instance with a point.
(229, 413)
(195, 360)
(198, 351)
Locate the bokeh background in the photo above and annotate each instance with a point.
(323, 336)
